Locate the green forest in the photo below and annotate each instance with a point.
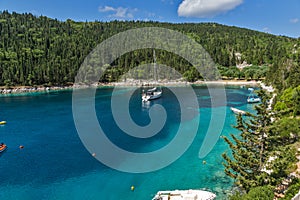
(37, 50)
(43, 51)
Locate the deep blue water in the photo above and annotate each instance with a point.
(54, 163)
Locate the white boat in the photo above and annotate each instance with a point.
(152, 94)
(252, 99)
(237, 111)
(184, 195)
(155, 92)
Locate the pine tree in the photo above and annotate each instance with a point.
(249, 150)
(296, 100)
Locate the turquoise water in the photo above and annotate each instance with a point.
(54, 164)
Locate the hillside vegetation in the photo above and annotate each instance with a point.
(43, 51)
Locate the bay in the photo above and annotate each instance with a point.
(54, 163)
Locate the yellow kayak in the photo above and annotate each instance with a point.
(2, 122)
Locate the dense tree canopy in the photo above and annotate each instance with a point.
(39, 50)
(256, 193)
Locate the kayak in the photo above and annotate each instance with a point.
(3, 147)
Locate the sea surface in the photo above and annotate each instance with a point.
(54, 163)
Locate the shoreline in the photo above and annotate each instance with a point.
(35, 89)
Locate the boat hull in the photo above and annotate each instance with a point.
(154, 95)
(253, 100)
(184, 194)
(3, 148)
(237, 111)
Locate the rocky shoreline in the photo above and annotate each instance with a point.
(29, 89)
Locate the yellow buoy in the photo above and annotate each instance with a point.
(132, 188)
(2, 122)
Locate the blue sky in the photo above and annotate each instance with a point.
(274, 16)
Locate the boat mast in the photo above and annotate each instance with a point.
(154, 67)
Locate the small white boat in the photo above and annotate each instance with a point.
(2, 122)
(237, 111)
(152, 94)
(252, 99)
(184, 195)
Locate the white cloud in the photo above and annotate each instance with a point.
(294, 21)
(206, 8)
(267, 30)
(106, 9)
(119, 12)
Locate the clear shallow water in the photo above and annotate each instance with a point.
(55, 165)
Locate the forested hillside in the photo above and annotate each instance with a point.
(43, 51)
